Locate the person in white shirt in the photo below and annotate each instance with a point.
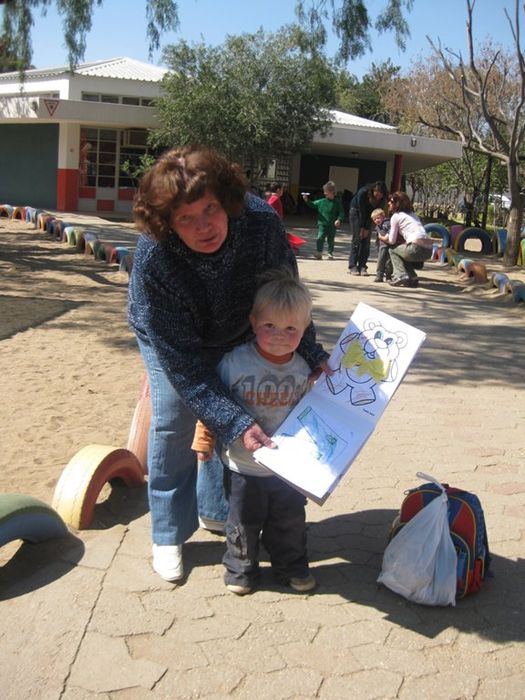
(417, 246)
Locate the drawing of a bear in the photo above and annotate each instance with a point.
(369, 357)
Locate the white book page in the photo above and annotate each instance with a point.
(323, 434)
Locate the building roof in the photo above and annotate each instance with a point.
(345, 119)
(121, 68)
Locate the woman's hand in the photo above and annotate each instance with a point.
(323, 367)
(364, 233)
(255, 437)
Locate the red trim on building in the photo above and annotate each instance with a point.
(105, 205)
(126, 194)
(396, 175)
(67, 189)
(87, 192)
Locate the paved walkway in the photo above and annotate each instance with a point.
(87, 618)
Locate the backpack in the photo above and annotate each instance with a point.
(467, 529)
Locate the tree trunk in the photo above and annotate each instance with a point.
(510, 256)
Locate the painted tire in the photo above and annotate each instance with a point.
(89, 242)
(84, 476)
(139, 430)
(100, 251)
(500, 241)
(126, 263)
(26, 518)
(442, 231)
(478, 272)
(500, 281)
(474, 233)
(19, 213)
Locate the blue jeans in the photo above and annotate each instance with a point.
(177, 490)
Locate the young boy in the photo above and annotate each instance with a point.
(384, 264)
(267, 377)
(330, 213)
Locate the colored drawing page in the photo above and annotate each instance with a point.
(371, 358)
(315, 445)
(323, 434)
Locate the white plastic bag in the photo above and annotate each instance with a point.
(420, 562)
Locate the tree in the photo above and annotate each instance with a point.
(480, 101)
(18, 21)
(255, 97)
(8, 59)
(365, 98)
(351, 22)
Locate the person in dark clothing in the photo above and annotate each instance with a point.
(365, 200)
(194, 276)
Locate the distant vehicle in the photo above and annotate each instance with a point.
(500, 200)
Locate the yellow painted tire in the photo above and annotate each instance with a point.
(84, 476)
(139, 430)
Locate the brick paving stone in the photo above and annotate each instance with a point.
(104, 665)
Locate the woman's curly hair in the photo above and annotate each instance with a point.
(182, 176)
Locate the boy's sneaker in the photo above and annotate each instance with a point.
(318, 255)
(238, 589)
(215, 526)
(302, 584)
(167, 561)
(330, 256)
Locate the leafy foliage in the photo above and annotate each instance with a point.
(480, 100)
(365, 98)
(257, 95)
(351, 21)
(77, 18)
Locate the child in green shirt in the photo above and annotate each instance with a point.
(330, 213)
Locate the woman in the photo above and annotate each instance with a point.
(365, 200)
(417, 245)
(194, 275)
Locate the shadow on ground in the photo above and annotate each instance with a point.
(346, 553)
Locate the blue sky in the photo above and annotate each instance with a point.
(119, 28)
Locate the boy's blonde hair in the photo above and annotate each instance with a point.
(284, 293)
(329, 186)
(377, 212)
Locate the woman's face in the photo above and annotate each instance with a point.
(201, 225)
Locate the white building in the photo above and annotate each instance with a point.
(64, 137)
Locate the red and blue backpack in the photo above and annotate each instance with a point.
(467, 529)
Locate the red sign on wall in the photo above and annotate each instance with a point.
(51, 106)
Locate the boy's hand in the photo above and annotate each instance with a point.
(204, 456)
(337, 223)
(254, 437)
(323, 367)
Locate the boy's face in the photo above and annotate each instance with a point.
(378, 220)
(329, 194)
(278, 333)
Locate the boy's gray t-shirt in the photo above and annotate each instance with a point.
(267, 391)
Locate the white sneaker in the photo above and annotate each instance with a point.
(211, 525)
(167, 561)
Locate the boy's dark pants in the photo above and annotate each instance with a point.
(384, 263)
(269, 505)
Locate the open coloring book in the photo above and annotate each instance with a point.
(324, 433)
